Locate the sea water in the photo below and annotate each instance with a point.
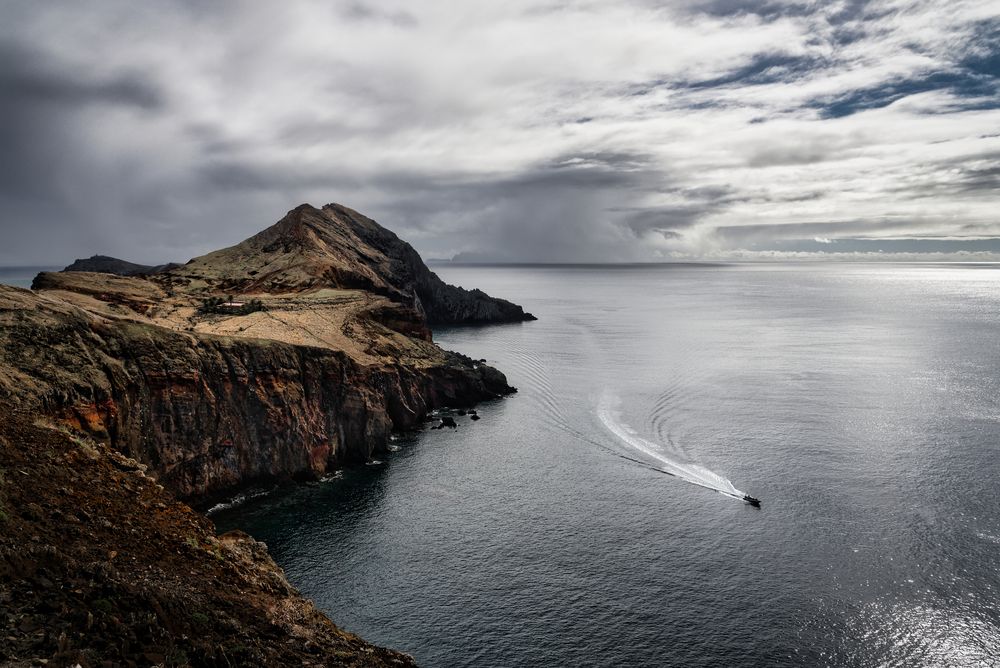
(21, 277)
(859, 402)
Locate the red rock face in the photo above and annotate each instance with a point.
(209, 414)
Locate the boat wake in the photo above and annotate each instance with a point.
(653, 455)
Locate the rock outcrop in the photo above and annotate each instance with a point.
(338, 247)
(105, 264)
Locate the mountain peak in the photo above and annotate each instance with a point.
(337, 247)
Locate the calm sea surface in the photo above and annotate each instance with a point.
(860, 403)
(22, 276)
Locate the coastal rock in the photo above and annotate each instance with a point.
(108, 569)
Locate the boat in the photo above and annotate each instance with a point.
(751, 500)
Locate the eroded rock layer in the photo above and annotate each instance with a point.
(209, 413)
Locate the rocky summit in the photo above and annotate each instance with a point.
(332, 247)
(292, 353)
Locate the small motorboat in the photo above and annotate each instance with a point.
(755, 502)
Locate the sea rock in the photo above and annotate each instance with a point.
(446, 422)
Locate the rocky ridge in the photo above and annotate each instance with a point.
(111, 265)
(331, 247)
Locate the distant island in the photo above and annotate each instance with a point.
(135, 392)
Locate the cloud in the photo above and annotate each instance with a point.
(568, 131)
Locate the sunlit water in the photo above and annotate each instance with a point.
(860, 403)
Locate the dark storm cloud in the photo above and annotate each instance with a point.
(981, 179)
(29, 77)
(40, 141)
(666, 220)
(565, 209)
(568, 131)
(670, 221)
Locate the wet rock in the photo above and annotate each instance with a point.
(446, 422)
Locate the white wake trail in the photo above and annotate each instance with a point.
(609, 413)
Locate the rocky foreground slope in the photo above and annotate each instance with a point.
(112, 265)
(295, 352)
(100, 566)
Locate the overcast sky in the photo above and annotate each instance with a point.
(515, 130)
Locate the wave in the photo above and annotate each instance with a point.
(610, 415)
(239, 499)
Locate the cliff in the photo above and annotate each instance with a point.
(337, 247)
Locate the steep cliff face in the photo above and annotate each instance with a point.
(100, 566)
(338, 247)
(210, 413)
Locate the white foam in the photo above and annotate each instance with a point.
(238, 500)
(609, 413)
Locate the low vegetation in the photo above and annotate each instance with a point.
(229, 307)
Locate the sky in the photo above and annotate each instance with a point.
(522, 131)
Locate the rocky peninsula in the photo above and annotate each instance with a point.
(133, 395)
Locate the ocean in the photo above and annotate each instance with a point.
(21, 277)
(583, 521)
